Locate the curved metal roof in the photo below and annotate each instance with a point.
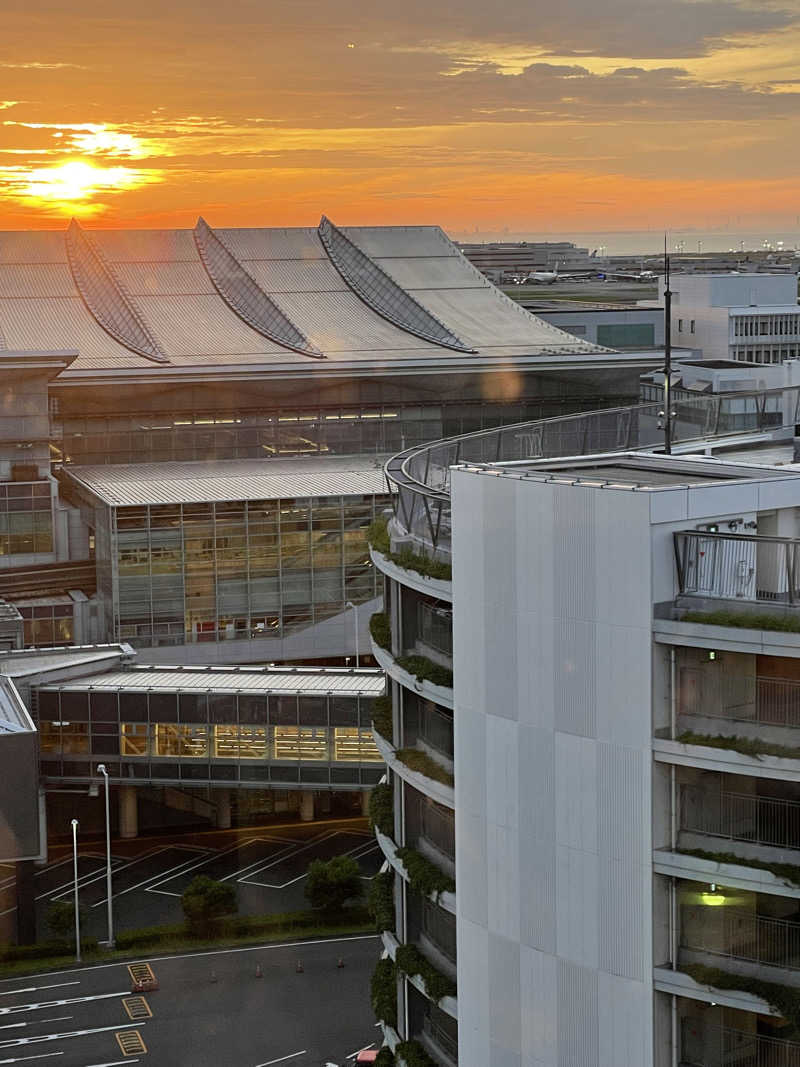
(244, 295)
(381, 293)
(105, 298)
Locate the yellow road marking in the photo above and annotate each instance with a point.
(130, 1042)
(137, 1008)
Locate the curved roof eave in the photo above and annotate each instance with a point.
(377, 290)
(245, 297)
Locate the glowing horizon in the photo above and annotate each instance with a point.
(661, 117)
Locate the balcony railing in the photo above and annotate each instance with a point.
(735, 567)
(741, 935)
(441, 1039)
(435, 627)
(740, 817)
(703, 1045)
(436, 729)
(438, 828)
(746, 699)
(439, 926)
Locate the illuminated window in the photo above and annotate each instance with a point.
(352, 744)
(174, 740)
(240, 742)
(301, 742)
(74, 737)
(49, 736)
(134, 738)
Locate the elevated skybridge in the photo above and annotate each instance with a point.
(421, 476)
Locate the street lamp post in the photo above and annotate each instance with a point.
(350, 604)
(109, 909)
(75, 890)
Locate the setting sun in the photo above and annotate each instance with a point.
(76, 186)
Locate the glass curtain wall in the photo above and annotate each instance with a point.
(216, 572)
(26, 519)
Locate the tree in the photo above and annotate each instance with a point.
(330, 884)
(205, 901)
(60, 920)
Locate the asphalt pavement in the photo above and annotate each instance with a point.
(290, 1004)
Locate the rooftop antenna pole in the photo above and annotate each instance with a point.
(667, 356)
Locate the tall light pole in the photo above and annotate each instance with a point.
(350, 604)
(75, 890)
(667, 412)
(101, 767)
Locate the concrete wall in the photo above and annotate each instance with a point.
(552, 753)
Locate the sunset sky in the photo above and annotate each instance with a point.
(569, 115)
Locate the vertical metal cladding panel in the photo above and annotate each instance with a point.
(537, 838)
(621, 803)
(504, 1005)
(623, 938)
(577, 1016)
(574, 554)
(575, 677)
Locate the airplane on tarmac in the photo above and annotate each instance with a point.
(549, 277)
(632, 275)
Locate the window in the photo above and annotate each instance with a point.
(680, 325)
(174, 740)
(240, 742)
(301, 742)
(134, 739)
(691, 326)
(354, 744)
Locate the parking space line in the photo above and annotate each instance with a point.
(19, 1009)
(36, 988)
(200, 863)
(153, 877)
(38, 1056)
(274, 860)
(16, 1042)
(281, 1059)
(100, 873)
(362, 850)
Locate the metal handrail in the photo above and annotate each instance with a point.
(704, 1045)
(741, 935)
(737, 566)
(740, 817)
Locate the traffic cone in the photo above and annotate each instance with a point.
(213, 977)
(299, 967)
(340, 962)
(259, 971)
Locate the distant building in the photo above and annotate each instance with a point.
(498, 258)
(614, 325)
(754, 318)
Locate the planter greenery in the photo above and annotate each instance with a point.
(378, 538)
(382, 717)
(747, 746)
(787, 872)
(331, 883)
(423, 875)
(425, 670)
(380, 900)
(383, 992)
(381, 631)
(414, 1055)
(385, 1057)
(409, 960)
(417, 760)
(381, 809)
(780, 997)
(749, 620)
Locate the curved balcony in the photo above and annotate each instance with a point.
(439, 791)
(448, 1004)
(412, 578)
(439, 694)
(421, 475)
(445, 900)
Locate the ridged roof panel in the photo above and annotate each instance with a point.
(105, 297)
(181, 278)
(257, 243)
(244, 296)
(36, 279)
(381, 293)
(146, 246)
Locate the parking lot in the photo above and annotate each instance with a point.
(268, 867)
(246, 1007)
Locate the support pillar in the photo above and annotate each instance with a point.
(223, 799)
(365, 802)
(306, 806)
(26, 906)
(128, 811)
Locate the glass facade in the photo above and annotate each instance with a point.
(218, 572)
(26, 518)
(47, 625)
(208, 736)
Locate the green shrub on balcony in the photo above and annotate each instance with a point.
(407, 558)
(383, 992)
(381, 809)
(381, 630)
(749, 620)
(787, 872)
(380, 900)
(385, 1057)
(382, 717)
(423, 875)
(417, 760)
(414, 1055)
(425, 670)
(747, 746)
(783, 999)
(410, 961)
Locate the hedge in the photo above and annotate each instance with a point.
(383, 992)
(45, 950)
(422, 763)
(381, 630)
(380, 900)
(749, 620)
(425, 670)
(414, 1055)
(385, 1057)
(407, 558)
(423, 875)
(381, 809)
(382, 717)
(788, 872)
(747, 746)
(780, 997)
(409, 960)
